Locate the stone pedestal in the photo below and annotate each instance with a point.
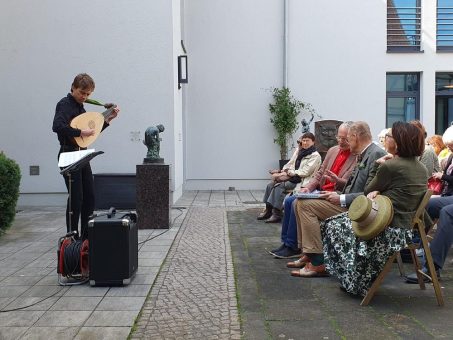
(153, 196)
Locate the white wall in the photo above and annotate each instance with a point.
(337, 61)
(129, 49)
(235, 53)
(337, 58)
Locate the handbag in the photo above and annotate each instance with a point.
(436, 185)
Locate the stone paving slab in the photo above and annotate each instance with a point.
(274, 305)
(28, 278)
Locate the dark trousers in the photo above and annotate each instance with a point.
(82, 200)
(289, 224)
(441, 208)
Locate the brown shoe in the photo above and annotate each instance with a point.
(264, 215)
(267, 212)
(274, 219)
(310, 271)
(300, 263)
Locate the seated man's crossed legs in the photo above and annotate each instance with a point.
(309, 213)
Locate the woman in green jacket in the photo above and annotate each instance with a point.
(402, 178)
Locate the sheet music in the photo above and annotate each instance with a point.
(67, 158)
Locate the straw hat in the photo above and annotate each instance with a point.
(370, 217)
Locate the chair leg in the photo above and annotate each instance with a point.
(432, 269)
(418, 269)
(377, 282)
(400, 264)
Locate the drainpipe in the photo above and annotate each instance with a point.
(285, 43)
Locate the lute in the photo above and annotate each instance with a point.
(90, 120)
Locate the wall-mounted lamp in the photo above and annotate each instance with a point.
(182, 70)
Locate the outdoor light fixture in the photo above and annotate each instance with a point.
(182, 70)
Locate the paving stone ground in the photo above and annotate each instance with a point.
(194, 294)
(185, 286)
(274, 305)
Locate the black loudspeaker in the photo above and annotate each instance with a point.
(113, 240)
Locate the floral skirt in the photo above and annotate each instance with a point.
(355, 262)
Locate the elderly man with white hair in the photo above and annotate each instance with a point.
(441, 207)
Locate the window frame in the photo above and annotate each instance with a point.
(443, 48)
(392, 31)
(403, 94)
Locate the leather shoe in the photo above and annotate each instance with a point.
(276, 250)
(287, 253)
(264, 215)
(310, 271)
(412, 278)
(300, 263)
(274, 219)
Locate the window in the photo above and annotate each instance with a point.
(403, 97)
(444, 25)
(403, 25)
(444, 101)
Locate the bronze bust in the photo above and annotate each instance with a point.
(325, 135)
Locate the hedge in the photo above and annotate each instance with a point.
(9, 190)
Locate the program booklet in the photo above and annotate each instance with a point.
(307, 195)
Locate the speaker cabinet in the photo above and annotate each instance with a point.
(113, 240)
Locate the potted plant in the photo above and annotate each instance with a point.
(285, 111)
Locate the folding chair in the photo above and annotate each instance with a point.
(419, 225)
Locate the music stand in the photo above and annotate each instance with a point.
(67, 171)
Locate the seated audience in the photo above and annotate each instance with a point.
(428, 157)
(439, 147)
(381, 138)
(441, 208)
(332, 175)
(310, 212)
(298, 171)
(400, 177)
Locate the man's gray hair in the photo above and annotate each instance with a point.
(346, 125)
(362, 130)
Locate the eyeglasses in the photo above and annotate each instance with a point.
(342, 139)
(388, 135)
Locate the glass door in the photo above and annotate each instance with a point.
(444, 113)
(444, 101)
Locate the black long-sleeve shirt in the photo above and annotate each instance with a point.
(67, 109)
(448, 184)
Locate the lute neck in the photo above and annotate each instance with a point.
(107, 113)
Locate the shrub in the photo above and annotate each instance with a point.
(9, 190)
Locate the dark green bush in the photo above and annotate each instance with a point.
(9, 190)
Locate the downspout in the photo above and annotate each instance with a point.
(285, 43)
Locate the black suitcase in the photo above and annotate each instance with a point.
(113, 240)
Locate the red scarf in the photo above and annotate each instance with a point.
(342, 156)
